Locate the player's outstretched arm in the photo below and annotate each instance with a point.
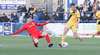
(42, 24)
(22, 29)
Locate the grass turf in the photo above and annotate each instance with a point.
(19, 45)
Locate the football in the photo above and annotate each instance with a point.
(64, 45)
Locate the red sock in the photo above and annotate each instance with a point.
(35, 44)
(47, 39)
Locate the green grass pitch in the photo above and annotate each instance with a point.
(20, 45)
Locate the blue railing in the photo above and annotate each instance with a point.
(64, 20)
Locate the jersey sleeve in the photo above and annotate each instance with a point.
(42, 24)
(22, 29)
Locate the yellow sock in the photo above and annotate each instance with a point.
(63, 38)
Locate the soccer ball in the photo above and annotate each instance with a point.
(64, 45)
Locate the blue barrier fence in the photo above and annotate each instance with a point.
(64, 20)
(16, 27)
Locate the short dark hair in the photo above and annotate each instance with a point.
(72, 4)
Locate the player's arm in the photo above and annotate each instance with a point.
(78, 20)
(66, 13)
(22, 29)
(42, 24)
(78, 16)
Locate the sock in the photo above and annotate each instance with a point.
(63, 38)
(47, 39)
(35, 45)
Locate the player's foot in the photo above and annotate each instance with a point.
(81, 39)
(93, 36)
(60, 45)
(36, 46)
(50, 45)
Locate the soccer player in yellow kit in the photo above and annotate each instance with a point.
(72, 23)
(98, 24)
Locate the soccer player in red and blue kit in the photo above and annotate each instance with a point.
(31, 28)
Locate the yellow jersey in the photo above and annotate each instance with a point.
(74, 15)
(98, 16)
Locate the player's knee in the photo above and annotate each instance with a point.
(65, 31)
(36, 40)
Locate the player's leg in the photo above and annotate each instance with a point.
(64, 34)
(47, 38)
(77, 37)
(35, 40)
(74, 30)
(98, 31)
(94, 34)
